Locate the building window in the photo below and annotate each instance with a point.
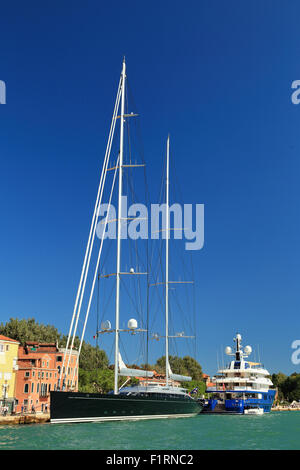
(7, 347)
(32, 387)
(33, 373)
(27, 374)
(37, 388)
(1, 347)
(26, 388)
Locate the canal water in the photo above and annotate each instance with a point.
(277, 430)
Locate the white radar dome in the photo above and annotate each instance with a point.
(247, 350)
(132, 324)
(105, 325)
(238, 337)
(131, 270)
(228, 350)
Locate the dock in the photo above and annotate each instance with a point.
(285, 408)
(37, 418)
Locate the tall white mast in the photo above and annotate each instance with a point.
(167, 263)
(116, 390)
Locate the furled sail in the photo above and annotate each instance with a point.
(178, 378)
(123, 370)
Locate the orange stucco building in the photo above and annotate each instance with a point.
(39, 366)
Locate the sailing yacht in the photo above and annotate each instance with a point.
(149, 399)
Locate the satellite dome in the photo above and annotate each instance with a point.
(132, 324)
(228, 350)
(105, 325)
(131, 270)
(239, 337)
(247, 350)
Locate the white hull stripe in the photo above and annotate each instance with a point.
(119, 418)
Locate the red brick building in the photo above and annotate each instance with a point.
(39, 366)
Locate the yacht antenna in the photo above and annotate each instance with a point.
(258, 353)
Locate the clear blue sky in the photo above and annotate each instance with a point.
(216, 75)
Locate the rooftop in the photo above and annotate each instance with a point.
(5, 338)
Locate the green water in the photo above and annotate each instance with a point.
(277, 430)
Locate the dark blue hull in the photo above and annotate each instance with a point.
(239, 405)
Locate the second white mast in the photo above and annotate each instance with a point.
(167, 262)
(116, 389)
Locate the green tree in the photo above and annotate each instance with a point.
(182, 366)
(193, 367)
(29, 330)
(291, 387)
(199, 384)
(278, 379)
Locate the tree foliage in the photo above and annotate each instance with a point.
(288, 386)
(100, 381)
(183, 366)
(195, 384)
(29, 330)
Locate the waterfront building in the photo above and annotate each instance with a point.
(207, 380)
(39, 366)
(8, 368)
